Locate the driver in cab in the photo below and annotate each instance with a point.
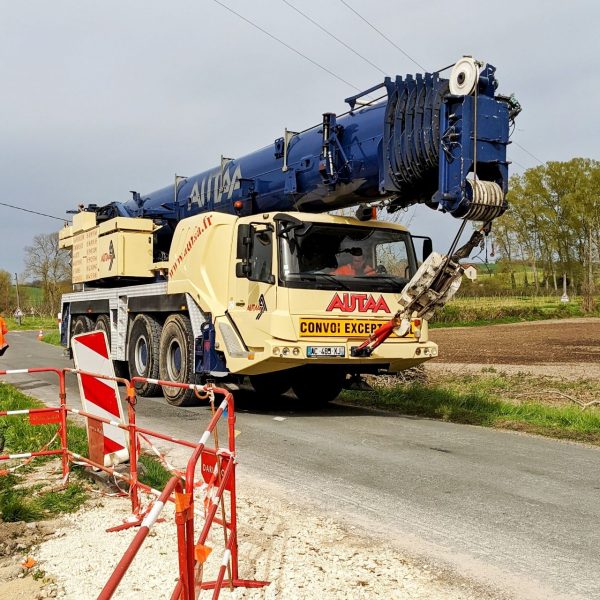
(357, 266)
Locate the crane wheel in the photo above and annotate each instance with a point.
(143, 353)
(103, 324)
(316, 385)
(82, 324)
(177, 359)
(271, 385)
(121, 367)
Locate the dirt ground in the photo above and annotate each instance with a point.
(20, 580)
(569, 341)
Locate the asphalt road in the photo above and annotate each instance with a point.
(518, 512)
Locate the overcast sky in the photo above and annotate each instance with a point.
(99, 98)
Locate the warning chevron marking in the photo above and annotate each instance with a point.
(100, 397)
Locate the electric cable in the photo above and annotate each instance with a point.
(316, 24)
(519, 165)
(383, 35)
(530, 154)
(414, 61)
(314, 62)
(328, 71)
(35, 212)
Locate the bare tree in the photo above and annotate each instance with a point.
(50, 265)
(7, 293)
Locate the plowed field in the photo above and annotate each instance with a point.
(568, 341)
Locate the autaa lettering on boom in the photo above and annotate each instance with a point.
(358, 302)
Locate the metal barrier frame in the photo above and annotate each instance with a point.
(179, 490)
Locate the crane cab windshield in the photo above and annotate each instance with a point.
(344, 257)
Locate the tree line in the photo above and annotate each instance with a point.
(553, 226)
(47, 267)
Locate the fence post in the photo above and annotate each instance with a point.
(62, 394)
(232, 495)
(133, 457)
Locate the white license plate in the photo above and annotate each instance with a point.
(325, 351)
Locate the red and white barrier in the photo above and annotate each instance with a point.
(217, 492)
(100, 397)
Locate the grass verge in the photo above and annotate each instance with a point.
(466, 312)
(529, 404)
(51, 337)
(28, 323)
(20, 501)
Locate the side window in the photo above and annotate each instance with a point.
(261, 256)
(392, 258)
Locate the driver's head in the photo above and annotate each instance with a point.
(358, 260)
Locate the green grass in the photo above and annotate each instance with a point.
(52, 337)
(494, 400)
(153, 473)
(20, 436)
(26, 504)
(462, 312)
(27, 323)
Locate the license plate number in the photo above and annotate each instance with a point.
(325, 351)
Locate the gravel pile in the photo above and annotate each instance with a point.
(303, 555)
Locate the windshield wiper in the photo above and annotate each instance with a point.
(330, 277)
(313, 278)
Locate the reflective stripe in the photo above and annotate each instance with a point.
(155, 381)
(17, 412)
(204, 437)
(15, 371)
(19, 455)
(226, 558)
(151, 517)
(223, 405)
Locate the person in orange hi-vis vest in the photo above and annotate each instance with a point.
(357, 267)
(3, 332)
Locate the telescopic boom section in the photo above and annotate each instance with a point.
(436, 141)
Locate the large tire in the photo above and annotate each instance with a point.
(271, 385)
(103, 324)
(121, 367)
(177, 359)
(316, 385)
(81, 324)
(143, 353)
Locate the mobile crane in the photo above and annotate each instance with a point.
(241, 270)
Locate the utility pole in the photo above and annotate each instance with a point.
(565, 297)
(18, 312)
(588, 297)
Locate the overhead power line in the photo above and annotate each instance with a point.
(385, 37)
(273, 37)
(515, 162)
(323, 29)
(530, 154)
(328, 71)
(35, 212)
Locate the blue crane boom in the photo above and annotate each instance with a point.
(436, 141)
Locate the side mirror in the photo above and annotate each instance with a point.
(243, 241)
(242, 269)
(427, 247)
